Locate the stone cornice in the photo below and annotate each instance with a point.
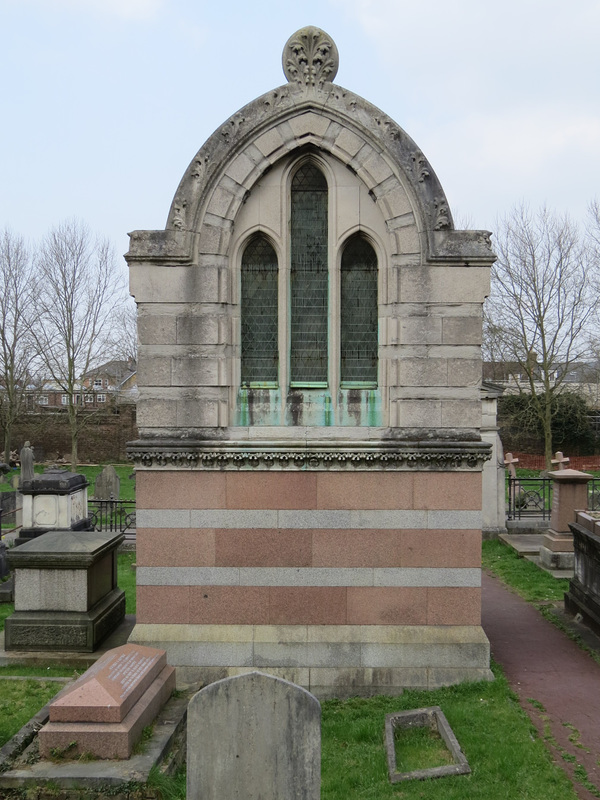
(211, 455)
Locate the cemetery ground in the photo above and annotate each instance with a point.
(509, 756)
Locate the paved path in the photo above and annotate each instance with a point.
(543, 664)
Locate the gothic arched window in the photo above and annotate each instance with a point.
(358, 312)
(309, 279)
(260, 347)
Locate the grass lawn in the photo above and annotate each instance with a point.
(528, 580)
(21, 700)
(124, 471)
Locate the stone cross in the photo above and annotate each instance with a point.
(253, 737)
(560, 460)
(509, 463)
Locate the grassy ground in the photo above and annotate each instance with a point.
(21, 700)
(124, 471)
(528, 580)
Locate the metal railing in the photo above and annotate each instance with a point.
(112, 515)
(532, 497)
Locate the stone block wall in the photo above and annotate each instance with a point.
(344, 582)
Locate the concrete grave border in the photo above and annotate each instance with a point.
(431, 717)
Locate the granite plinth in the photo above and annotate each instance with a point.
(64, 549)
(109, 739)
(75, 631)
(111, 687)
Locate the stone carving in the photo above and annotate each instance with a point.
(442, 215)
(310, 57)
(232, 126)
(200, 165)
(420, 166)
(316, 459)
(388, 126)
(178, 219)
(276, 98)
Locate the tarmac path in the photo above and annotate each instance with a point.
(542, 664)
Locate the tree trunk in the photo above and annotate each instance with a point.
(73, 422)
(548, 431)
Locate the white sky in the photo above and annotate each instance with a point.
(105, 102)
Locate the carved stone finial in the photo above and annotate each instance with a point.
(310, 57)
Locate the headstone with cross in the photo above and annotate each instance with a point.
(509, 463)
(560, 460)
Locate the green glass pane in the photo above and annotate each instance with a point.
(259, 313)
(308, 276)
(359, 312)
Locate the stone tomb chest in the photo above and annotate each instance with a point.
(310, 454)
(66, 593)
(55, 499)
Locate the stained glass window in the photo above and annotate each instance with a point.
(359, 313)
(259, 313)
(308, 277)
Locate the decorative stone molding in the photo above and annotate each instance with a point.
(310, 57)
(235, 456)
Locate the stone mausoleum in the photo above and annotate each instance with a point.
(309, 497)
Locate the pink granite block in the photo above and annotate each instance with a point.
(229, 605)
(175, 547)
(163, 604)
(357, 548)
(441, 548)
(307, 605)
(263, 548)
(454, 606)
(109, 739)
(451, 491)
(109, 688)
(275, 490)
(165, 489)
(387, 605)
(366, 490)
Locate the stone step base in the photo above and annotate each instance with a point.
(109, 739)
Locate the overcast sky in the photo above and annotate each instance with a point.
(105, 102)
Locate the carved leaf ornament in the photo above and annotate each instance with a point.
(310, 57)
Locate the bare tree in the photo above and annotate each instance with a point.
(16, 351)
(78, 295)
(542, 310)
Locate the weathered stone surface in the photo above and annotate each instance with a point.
(108, 690)
(108, 484)
(109, 739)
(255, 737)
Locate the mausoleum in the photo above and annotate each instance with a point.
(309, 495)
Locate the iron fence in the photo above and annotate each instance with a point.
(112, 515)
(532, 497)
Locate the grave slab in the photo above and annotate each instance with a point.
(111, 687)
(108, 739)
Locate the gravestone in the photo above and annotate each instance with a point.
(108, 484)
(569, 496)
(27, 463)
(66, 593)
(254, 737)
(105, 711)
(4, 568)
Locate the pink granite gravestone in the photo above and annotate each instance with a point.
(106, 709)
